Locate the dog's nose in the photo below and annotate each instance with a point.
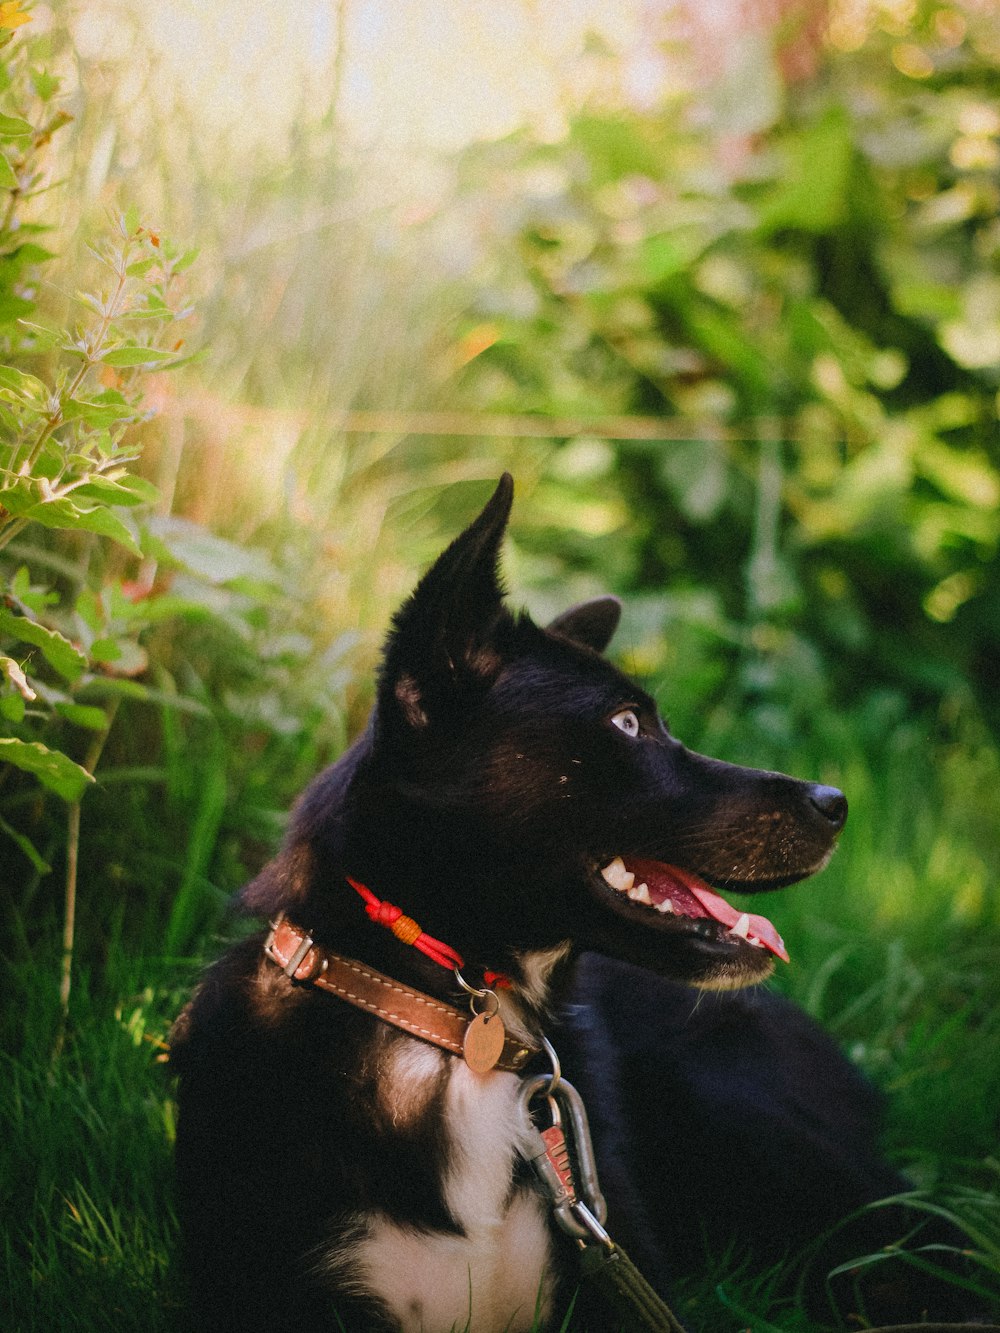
(831, 804)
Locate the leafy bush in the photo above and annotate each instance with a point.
(811, 309)
(808, 548)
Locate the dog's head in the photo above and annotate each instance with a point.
(516, 790)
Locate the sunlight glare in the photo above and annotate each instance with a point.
(434, 74)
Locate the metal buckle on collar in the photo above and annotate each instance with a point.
(291, 967)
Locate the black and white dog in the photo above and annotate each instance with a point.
(340, 1165)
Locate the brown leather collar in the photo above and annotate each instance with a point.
(418, 1014)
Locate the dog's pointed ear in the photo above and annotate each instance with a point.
(444, 637)
(591, 623)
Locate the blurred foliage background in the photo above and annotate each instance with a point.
(719, 284)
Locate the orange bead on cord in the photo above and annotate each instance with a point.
(405, 928)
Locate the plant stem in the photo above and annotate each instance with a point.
(89, 361)
(14, 526)
(69, 923)
(72, 866)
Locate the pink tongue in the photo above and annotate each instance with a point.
(692, 897)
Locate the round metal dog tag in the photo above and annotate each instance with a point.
(483, 1045)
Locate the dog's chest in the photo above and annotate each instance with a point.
(495, 1274)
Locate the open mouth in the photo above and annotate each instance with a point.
(657, 887)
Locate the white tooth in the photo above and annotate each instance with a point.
(642, 895)
(752, 939)
(617, 876)
(742, 927)
(665, 906)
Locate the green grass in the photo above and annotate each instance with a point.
(894, 948)
(89, 1232)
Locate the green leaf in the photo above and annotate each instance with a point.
(122, 657)
(812, 192)
(105, 650)
(26, 846)
(35, 597)
(133, 354)
(143, 491)
(42, 339)
(52, 768)
(118, 687)
(21, 384)
(616, 147)
(8, 181)
(130, 220)
(664, 255)
(141, 266)
(19, 496)
(30, 253)
(57, 650)
(68, 517)
(84, 715)
(14, 308)
(96, 414)
(107, 524)
(90, 608)
(12, 707)
(46, 85)
(121, 491)
(12, 127)
(179, 541)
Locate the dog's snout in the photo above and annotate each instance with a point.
(831, 804)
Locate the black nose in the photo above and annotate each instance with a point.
(831, 804)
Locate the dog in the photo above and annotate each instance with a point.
(515, 805)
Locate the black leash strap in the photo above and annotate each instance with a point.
(636, 1306)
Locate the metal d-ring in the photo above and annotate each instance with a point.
(475, 994)
(556, 1076)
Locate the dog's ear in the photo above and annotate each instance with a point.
(443, 640)
(591, 623)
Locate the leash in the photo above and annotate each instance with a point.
(569, 1182)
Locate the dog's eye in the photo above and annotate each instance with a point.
(626, 721)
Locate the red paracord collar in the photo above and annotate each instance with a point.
(407, 930)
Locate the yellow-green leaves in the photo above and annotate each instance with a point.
(53, 769)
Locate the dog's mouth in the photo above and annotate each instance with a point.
(653, 886)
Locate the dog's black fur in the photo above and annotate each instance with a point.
(487, 792)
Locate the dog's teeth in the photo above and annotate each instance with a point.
(640, 894)
(617, 876)
(742, 927)
(757, 944)
(665, 906)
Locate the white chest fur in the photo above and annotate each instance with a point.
(493, 1277)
